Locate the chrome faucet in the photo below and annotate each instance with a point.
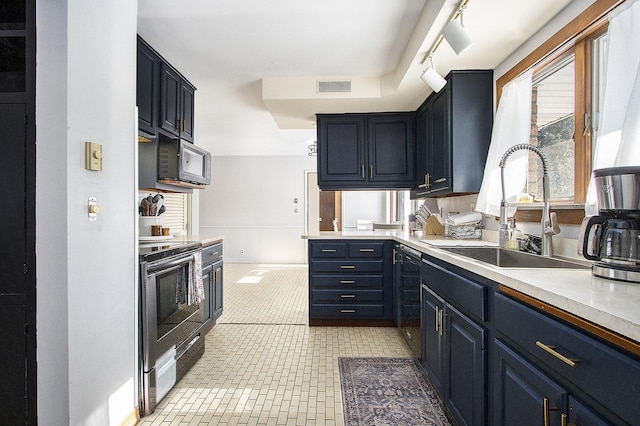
(549, 221)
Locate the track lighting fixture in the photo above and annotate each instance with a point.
(456, 35)
(432, 78)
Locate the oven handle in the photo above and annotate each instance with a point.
(164, 265)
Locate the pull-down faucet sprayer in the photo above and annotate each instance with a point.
(549, 221)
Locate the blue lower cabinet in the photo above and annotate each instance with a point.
(602, 382)
(213, 284)
(454, 356)
(523, 395)
(350, 280)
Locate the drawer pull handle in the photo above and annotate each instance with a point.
(215, 253)
(347, 311)
(347, 282)
(348, 267)
(328, 250)
(348, 296)
(550, 349)
(545, 411)
(367, 250)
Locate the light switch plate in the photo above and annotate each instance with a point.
(92, 156)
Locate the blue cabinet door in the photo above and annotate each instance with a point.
(391, 149)
(341, 150)
(465, 359)
(523, 395)
(216, 290)
(432, 337)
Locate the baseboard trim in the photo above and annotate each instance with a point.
(132, 419)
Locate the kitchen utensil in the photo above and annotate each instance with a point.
(159, 205)
(162, 210)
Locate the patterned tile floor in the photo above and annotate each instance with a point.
(263, 364)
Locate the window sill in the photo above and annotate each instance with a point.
(568, 214)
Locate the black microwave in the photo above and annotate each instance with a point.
(182, 163)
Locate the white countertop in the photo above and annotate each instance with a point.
(614, 305)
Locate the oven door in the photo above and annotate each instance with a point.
(168, 319)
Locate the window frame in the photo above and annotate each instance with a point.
(577, 36)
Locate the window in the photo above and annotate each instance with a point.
(566, 93)
(553, 127)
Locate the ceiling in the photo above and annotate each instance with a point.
(255, 63)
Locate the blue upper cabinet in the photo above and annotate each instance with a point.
(164, 97)
(366, 151)
(453, 129)
(176, 103)
(148, 88)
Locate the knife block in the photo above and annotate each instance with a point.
(433, 226)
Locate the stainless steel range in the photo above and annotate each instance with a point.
(171, 318)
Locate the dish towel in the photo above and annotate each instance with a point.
(196, 285)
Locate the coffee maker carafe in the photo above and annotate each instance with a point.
(612, 238)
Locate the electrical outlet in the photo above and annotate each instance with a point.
(241, 251)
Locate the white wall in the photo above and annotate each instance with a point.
(366, 205)
(86, 271)
(565, 16)
(251, 203)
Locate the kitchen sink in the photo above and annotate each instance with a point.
(504, 258)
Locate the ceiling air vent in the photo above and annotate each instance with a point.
(334, 86)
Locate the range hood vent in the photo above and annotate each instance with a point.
(334, 86)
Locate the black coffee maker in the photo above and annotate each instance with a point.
(612, 238)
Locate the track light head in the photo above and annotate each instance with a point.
(457, 36)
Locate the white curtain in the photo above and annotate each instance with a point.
(512, 126)
(618, 142)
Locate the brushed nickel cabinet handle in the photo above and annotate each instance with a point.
(370, 171)
(366, 250)
(363, 170)
(550, 349)
(347, 267)
(328, 251)
(347, 311)
(440, 180)
(347, 282)
(437, 319)
(348, 296)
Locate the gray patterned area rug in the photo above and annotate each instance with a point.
(388, 391)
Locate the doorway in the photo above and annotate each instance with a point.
(323, 207)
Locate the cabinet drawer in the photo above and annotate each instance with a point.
(346, 266)
(328, 249)
(346, 311)
(610, 377)
(346, 296)
(211, 254)
(346, 281)
(458, 291)
(365, 249)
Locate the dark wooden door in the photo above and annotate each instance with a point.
(17, 215)
(432, 337)
(465, 356)
(170, 100)
(187, 99)
(217, 293)
(391, 145)
(147, 88)
(13, 283)
(520, 391)
(341, 150)
(329, 210)
(423, 129)
(439, 157)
